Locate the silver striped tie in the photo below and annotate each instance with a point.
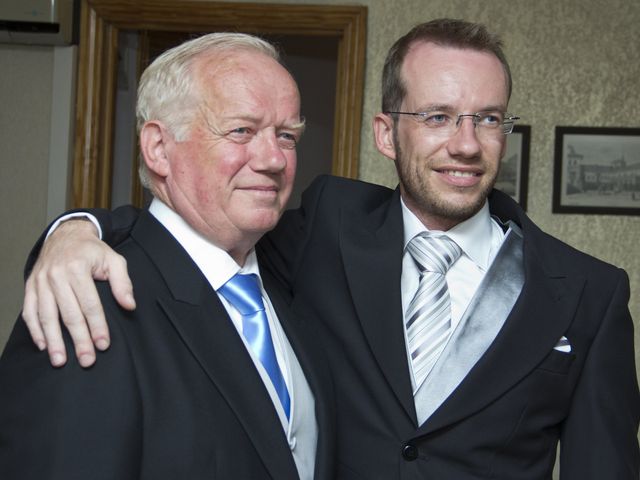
(428, 317)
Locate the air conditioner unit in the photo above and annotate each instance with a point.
(38, 22)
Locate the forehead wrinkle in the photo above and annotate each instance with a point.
(219, 122)
(251, 108)
(257, 101)
(224, 109)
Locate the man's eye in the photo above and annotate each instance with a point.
(437, 119)
(491, 119)
(287, 140)
(240, 134)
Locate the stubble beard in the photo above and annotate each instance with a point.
(432, 205)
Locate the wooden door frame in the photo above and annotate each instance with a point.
(101, 21)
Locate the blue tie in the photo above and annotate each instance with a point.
(243, 292)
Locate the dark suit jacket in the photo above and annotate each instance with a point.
(175, 397)
(341, 254)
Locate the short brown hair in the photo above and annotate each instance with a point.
(445, 32)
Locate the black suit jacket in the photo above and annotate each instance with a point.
(175, 397)
(341, 254)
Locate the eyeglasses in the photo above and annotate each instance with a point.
(489, 123)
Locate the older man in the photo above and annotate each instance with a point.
(465, 342)
(211, 376)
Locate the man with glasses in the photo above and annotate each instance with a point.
(465, 342)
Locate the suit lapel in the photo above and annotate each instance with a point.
(372, 250)
(313, 363)
(207, 332)
(478, 327)
(538, 320)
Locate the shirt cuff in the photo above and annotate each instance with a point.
(69, 216)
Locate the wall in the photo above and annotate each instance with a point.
(25, 116)
(37, 87)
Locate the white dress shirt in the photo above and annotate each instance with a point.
(218, 267)
(479, 238)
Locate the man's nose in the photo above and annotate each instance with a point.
(464, 142)
(268, 154)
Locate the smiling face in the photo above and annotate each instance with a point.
(232, 175)
(445, 180)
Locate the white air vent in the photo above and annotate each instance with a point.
(37, 22)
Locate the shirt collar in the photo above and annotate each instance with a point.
(216, 264)
(473, 236)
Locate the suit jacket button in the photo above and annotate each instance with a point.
(409, 452)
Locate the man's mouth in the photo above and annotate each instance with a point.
(458, 173)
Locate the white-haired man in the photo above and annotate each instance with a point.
(210, 377)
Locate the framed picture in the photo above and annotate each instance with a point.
(514, 169)
(597, 170)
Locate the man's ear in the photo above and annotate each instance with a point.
(153, 145)
(383, 133)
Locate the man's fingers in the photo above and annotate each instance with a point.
(47, 314)
(70, 259)
(119, 281)
(30, 314)
(95, 331)
(114, 269)
(80, 308)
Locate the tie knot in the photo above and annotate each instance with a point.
(243, 292)
(433, 254)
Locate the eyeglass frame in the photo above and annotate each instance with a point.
(507, 123)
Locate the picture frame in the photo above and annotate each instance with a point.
(597, 170)
(513, 178)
